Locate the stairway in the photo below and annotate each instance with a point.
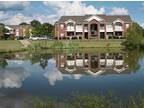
(25, 43)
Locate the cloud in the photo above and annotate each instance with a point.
(19, 17)
(12, 77)
(54, 74)
(62, 8)
(13, 5)
(119, 11)
(73, 8)
(142, 25)
(3, 15)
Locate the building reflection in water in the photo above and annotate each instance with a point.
(91, 64)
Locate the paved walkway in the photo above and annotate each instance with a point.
(25, 43)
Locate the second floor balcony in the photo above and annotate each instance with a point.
(118, 28)
(70, 28)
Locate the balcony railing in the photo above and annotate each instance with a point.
(70, 28)
(118, 28)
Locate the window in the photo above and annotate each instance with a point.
(62, 26)
(102, 26)
(127, 25)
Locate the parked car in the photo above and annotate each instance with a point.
(34, 37)
(43, 38)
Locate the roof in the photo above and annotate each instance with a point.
(107, 18)
(20, 26)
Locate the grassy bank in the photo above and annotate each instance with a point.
(14, 45)
(10, 46)
(79, 44)
(92, 101)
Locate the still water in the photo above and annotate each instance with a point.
(59, 75)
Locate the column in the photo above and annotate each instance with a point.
(89, 31)
(98, 32)
(106, 37)
(113, 28)
(83, 35)
(58, 31)
(74, 30)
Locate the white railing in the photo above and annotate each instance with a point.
(109, 28)
(102, 29)
(118, 28)
(70, 28)
(85, 29)
(79, 29)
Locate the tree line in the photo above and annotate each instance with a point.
(38, 28)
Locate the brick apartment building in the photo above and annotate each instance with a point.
(19, 30)
(92, 26)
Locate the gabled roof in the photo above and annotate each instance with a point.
(107, 18)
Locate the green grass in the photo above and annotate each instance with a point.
(10, 45)
(113, 43)
(15, 45)
(92, 101)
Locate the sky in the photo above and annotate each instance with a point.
(15, 12)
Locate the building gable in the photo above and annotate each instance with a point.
(118, 20)
(69, 21)
(94, 17)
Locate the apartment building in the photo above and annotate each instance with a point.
(92, 27)
(19, 30)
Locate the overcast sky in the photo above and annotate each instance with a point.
(16, 12)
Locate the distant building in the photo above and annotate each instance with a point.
(92, 26)
(19, 30)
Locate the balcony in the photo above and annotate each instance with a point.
(118, 28)
(70, 28)
(85, 29)
(109, 28)
(102, 29)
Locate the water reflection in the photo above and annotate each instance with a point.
(13, 77)
(91, 64)
(23, 70)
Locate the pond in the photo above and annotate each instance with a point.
(60, 74)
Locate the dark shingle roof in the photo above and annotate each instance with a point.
(107, 18)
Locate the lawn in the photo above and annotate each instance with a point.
(15, 45)
(113, 43)
(10, 45)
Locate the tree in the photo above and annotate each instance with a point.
(3, 30)
(46, 29)
(23, 23)
(35, 23)
(42, 29)
(134, 36)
